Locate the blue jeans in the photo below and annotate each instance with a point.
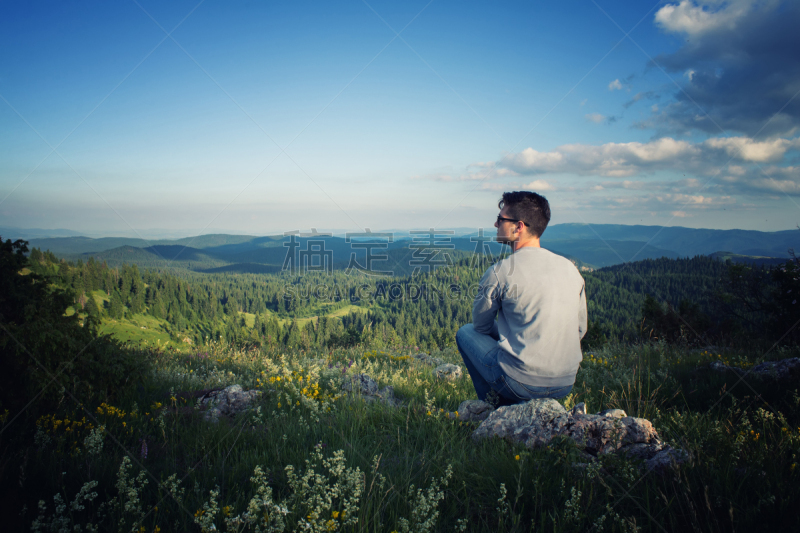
(479, 353)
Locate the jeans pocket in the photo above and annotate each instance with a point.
(511, 392)
(560, 392)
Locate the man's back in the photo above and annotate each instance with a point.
(540, 303)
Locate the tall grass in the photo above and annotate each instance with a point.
(308, 458)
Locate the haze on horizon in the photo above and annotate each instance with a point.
(118, 118)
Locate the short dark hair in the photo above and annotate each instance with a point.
(529, 207)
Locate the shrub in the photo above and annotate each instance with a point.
(46, 354)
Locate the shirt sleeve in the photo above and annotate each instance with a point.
(487, 303)
(583, 315)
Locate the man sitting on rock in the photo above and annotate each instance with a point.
(533, 350)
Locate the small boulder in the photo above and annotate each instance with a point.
(228, 402)
(360, 384)
(579, 409)
(531, 421)
(666, 459)
(448, 372)
(365, 387)
(613, 413)
(472, 411)
(781, 371)
(642, 451)
(538, 422)
(427, 359)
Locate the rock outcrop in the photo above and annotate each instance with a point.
(448, 372)
(365, 387)
(537, 422)
(472, 411)
(228, 402)
(428, 359)
(780, 371)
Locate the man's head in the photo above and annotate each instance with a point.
(530, 209)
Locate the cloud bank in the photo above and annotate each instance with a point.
(628, 159)
(740, 65)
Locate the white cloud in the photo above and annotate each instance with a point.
(654, 203)
(737, 169)
(740, 67)
(612, 159)
(597, 118)
(615, 85)
(698, 17)
(539, 185)
(583, 102)
(747, 149)
(793, 172)
(772, 179)
(775, 185)
(627, 159)
(536, 185)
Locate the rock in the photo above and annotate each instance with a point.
(360, 384)
(228, 402)
(668, 458)
(780, 371)
(603, 434)
(579, 409)
(363, 386)
(427, 359)
(532, 421)
(538, 422)
(785, 370)
(721, 367)
(642, 451)
(472, 411)
(448, 372)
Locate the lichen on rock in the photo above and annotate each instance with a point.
(363, 386)
(228, 402)
(537, 422)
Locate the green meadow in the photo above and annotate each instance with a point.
(306, 457)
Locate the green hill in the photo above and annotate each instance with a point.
(607, 253)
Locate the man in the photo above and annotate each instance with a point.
(533, 350)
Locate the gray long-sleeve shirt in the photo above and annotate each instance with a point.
(539, 299)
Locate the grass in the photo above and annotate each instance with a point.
(312, 459)
(338, 313)
(141, 330)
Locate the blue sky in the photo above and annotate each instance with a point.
(262, 117)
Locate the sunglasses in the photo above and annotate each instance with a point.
(501, 219)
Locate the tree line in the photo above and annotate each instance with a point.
(697, 299)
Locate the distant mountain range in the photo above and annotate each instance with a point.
(686, 242)
(591, 246)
